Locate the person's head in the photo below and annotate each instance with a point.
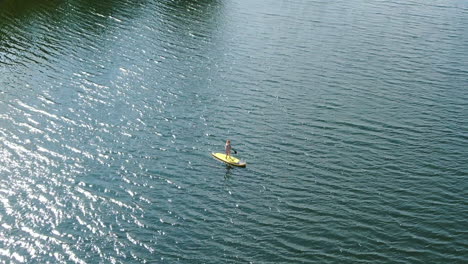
(228, 141)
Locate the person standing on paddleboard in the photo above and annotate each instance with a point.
(228, 148)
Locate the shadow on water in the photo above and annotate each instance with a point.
(52, 21)
(25, 10)
(183, 13)
(228, 174)
(22, 8)
(16, 18)
(187, 4)
(109, 7)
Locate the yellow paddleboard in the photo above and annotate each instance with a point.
(229, 160)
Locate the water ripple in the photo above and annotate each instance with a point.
(352, 131)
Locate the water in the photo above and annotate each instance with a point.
(351, 115)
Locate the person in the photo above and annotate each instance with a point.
(228, 148)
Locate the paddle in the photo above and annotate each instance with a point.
(235, 152)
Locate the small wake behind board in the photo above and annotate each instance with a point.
(229, 160)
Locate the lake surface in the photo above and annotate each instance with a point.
(352, 117)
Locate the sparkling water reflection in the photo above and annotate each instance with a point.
(350, 114)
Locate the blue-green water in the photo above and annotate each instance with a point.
(351, 115)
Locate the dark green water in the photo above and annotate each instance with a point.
(352, 117)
